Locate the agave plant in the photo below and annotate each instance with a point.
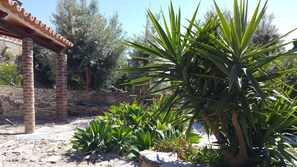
(95, 138)
(216, 71)
(127, 129)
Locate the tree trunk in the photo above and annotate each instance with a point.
(216, 133)
(88, 79)
(239, 158)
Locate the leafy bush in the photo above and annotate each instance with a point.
(180, 145)
(127, 129)
(207, 156)
(9, 74)
(186, 151)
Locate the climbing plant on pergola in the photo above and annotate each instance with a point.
(18, 23)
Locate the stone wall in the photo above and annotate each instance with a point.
(82, 103)
(14, 45)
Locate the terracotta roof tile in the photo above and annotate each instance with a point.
(15, 8)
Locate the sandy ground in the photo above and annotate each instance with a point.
(46, 147)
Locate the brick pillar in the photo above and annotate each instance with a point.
(28, 86)
(61, 87)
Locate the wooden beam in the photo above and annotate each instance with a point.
(47, 40)
(28, 30)
(24, 34)
(9, 34)
(3, 14)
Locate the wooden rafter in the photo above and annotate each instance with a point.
(9, 34)
(25, 34)
(3, 14)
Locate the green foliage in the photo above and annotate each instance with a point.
(9, 70)
(44, 66)
(180, 145)
(127, 129)
(275, 123)
(6, 54)
(266, 31)
(118, 78)
(293, 151)
(285, 64)
(93, 139)
(97, 42)
(10, 75)
(137, 58)
(221, 76)
(208, 156)
(186, 151)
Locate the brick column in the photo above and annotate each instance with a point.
(61, 87)
(28, 86)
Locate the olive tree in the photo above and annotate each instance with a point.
(97, 42)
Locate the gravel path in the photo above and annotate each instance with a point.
(47, 146)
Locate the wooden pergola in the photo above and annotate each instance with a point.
(16, 22)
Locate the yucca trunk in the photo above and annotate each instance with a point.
(238, 159)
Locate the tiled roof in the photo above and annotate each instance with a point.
(27, 19)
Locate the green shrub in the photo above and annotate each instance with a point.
(186, 151)
(9, 74)
(207, 156)
(127, 129)
(179, 145)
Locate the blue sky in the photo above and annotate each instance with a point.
(132, 12)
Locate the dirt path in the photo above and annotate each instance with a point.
(47, 146)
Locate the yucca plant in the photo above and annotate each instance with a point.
(242, 63)
(275, 124)
(217, 72)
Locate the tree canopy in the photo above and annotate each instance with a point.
(96, 42)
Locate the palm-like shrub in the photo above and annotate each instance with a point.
(218, 72)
